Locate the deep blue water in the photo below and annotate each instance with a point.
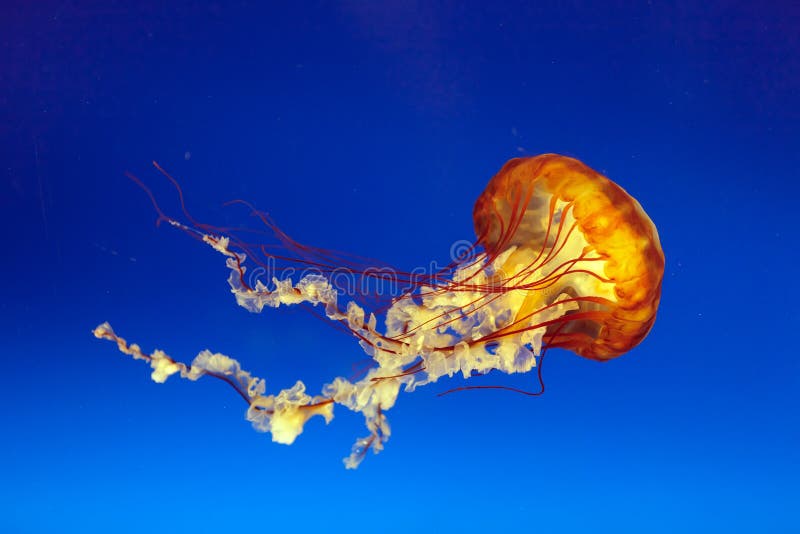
(372, 128)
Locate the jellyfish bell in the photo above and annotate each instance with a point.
(574, 231)
(563, 258)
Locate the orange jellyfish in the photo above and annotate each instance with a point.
(564, 258)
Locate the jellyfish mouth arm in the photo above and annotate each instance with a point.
(284, 414)
(423, 354)
(311, 289)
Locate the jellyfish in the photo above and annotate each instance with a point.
(563, 258)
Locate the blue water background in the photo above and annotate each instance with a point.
(372, 127)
